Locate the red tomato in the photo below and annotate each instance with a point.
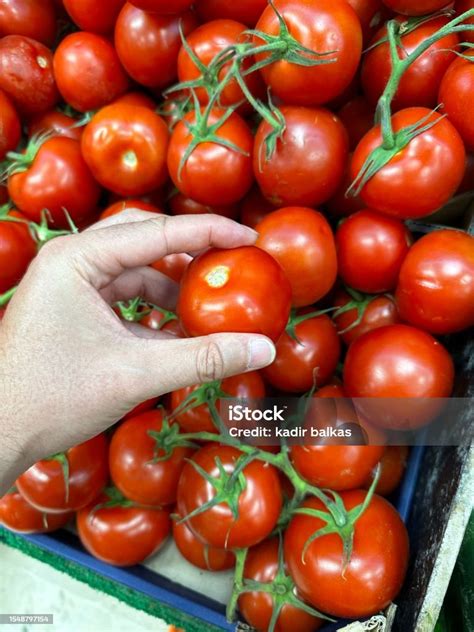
(164, 7)
(142, 408)
(125, 147)
(57, 179)
(259, 500)
(302, 242)
(199, 554)
(309, 161)
(245, 386)
(138, 99)
(173, 266)
(131, 460)
(246, 11)
(416, 7)
(378, 312)
(93, 16)
(262, 565)
(309, 358)
(397, 188)
(122, 535)
(17, 515)
(44, 484)
(393, 466)
(10, 126)
(122, 205)
(26, 74)
(182, 205)
(154, 319)
(420, 82)
(213, 174)
(357, 116)
(461, 6)
(17, 250)
(342, 205)
(436, 287)
(340, 39)
(254, 208)
(377, 567)
(88, 71)
(148, 41)
(457, 96)
(31, 18)
(57, 122)
(371, 14)
(239, 290)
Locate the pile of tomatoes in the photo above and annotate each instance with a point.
(262, 112)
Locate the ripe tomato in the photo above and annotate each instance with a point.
(309, 161)
(93, 16)
(340, 39)
(461, 6)
(397, 189)
(198, 553)
(32, 18)
(44, 484)
(57, 179)
(393, 466)
(147, 41)
(142, 408)
(138, 99)
(125, 147)
(262, 565)
(164, 7)
(302, 242)
(124, 534)
(309, 358)
(254, 208)
(214, 173)
(173, 266)
(379, 312)
(259, 500)
(10, 126)
(420, 82)
(367, 238)
(26, 74)
(122, 205)
(57, 122)
(457, 96)
(436, 285)
(357, 116)
(371, 14)
(246, 11)
(19, 516)
(375, 572)
(416, 7)
(239, 290)
(245, 386)
(17, 250)
(182, 205)
(341, 205)
(88, 71)
(131, 460)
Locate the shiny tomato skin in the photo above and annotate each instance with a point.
(308, 164)
(380, 312)
(122, 536)
(122, 205)
(340, 204)
(302, 242)
(248, 385)
(393, 465)
(259, 504)
(88, 71)
(254, 207)
(198, 553)
(461, 6)
(153, 321)
(378, 564)
(298, 85)
(173, 266)
(416, 7)
(213, 174)
(436, 286)
(57, 122)
(182, 205)
(26, 74)
(164, 7)
(17, 250)
(16, 514)
(421, 177)
(57, 179)
(261, 565)
(138, 99)
(371, 14)
(246, 11)
(357, 116)
(147, 41)
(93, 16)
(10, 126)
(456, 95)
(43, 484)
(240, 290)
(32, 18)
(125, 147)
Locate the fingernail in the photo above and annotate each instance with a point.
(261, 353)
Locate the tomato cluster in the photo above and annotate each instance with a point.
(262, 112)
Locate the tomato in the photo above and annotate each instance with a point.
(125, 147)
(262, 565)
(340, 39)
(366, 238)
(259, 500)
(88, 71)
(379, 312)
(122, 535)
(93, 16)
(206, 557)
(239, 290)
(461, 6)
(182, 205)
(44, 485)
(377, 567)
(131, 460)
(246, 386)
(154, 319)
(138, 99)
(357, 116)
(246, 11)
(173, 266)
(309, 161)
(26, 74)
(57, 179)
(10, 126)
(393, 466)
(17, 515)
(164, 7)
(457, 97)
(309, 358)
(57, 122)
(340, 204)
(32, 18)
(416, 7)
(213, 174)
(371, 14)
(397, 188)
(148, 41)
(142, 408)
(436, 286)
(254, 208)
(17, 250)
(302, 242)
(420, 82)
(122, 205)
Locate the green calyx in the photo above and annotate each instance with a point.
(205, 394)
(359, 302)
(296, 320)
(167, 439)
(7, 296)
(62, 459)
(19, 162)
(134, 310)
(41, 232)
(115, 499)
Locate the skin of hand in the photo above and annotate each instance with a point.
(70, 368)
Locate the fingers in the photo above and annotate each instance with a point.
(145, 282)
(125, 217)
